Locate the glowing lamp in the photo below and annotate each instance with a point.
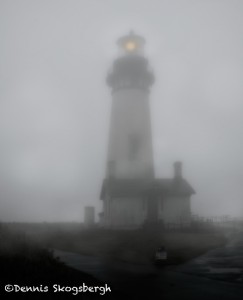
(130, 46)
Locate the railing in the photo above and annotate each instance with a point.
(200, 224)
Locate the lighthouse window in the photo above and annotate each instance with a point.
(133, 146)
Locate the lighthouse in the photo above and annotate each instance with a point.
(130, 153)
(131, 194)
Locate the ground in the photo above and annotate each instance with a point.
(23, 262)
(217, 274)
(24, 259)
(137, 246)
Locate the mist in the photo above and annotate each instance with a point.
(55, 104)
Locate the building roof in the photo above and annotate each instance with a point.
(142, 187)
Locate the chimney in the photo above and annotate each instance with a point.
(111, 169)
(177, 170)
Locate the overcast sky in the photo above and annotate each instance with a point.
(55, 105)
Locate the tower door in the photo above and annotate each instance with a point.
(152, 212)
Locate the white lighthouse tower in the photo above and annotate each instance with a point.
(130, 153)
(131, 195)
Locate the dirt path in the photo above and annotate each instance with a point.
(215, 275)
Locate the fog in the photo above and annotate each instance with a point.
(55, 104)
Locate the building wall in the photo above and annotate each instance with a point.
(132, 212)
(175, 209)
(124, 212)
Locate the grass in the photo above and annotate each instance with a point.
(26, 263)
(136, 246)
